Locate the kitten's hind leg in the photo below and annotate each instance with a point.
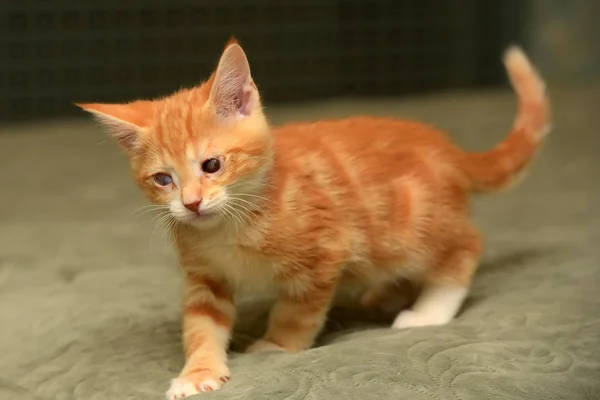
(436, 305)
(444, 290)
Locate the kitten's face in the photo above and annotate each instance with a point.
(209, 175)
(202, 152)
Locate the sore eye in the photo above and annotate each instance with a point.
(162, 179)
(211, 165)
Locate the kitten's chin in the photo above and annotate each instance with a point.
(203, 221)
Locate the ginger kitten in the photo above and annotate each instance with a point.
(307, 206)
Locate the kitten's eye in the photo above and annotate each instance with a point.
(162, 179)
(211, 165)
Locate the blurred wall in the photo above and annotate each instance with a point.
(56, 52)
(565, 39)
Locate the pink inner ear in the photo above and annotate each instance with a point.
(245, 102)
(232, 89)
(235, 101)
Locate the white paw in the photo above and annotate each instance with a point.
(181, 387)
(410, 319)
(262, 345)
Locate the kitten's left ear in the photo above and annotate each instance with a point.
(233, 93)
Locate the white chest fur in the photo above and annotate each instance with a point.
(246, 270)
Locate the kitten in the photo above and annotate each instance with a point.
(308, 206)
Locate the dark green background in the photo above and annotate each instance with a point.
(57, 52)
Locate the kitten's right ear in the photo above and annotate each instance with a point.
(126, 122)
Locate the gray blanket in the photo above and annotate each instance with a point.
(89, 292)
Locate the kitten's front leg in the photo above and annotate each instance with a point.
(298, 315)
(208, 316)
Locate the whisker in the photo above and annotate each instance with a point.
(176, 223)
(151, 205)
(231, 211)
(159, 216)
(235, 218)
(243, 217)
(229, 217)
(174, 238)
(161, 220)
(169, 227)
(244, 200)
(225, 215)
(233, 201)
(158, 223)
(253, 195)
(145, 209)
(235, 184)
(166, 227)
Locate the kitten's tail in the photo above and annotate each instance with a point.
(502, 166)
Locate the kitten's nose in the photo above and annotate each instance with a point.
(193, 207)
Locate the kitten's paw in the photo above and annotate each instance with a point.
(196, 383)
(410, 319)
(181, 388)
(262, 345)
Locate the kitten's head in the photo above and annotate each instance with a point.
(204, 152)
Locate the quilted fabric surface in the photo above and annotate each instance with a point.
(89, 293)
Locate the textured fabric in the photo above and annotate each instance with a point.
(89, 293)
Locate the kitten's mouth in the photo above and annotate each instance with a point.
(202, 216)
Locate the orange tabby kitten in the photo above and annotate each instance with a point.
(306, 206)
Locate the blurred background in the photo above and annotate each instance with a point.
(57, 52)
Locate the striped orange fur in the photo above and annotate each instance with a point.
(306, 207)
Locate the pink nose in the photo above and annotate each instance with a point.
(193, 207)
